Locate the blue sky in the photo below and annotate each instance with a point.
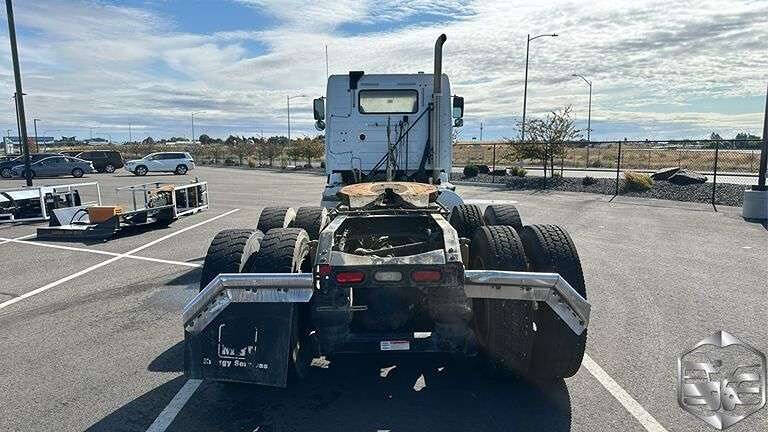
(661, 69)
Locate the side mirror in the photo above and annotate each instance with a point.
(458, 122)
(318, 106)
(320, 125)
(458, 107)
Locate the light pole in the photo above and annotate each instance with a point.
(193, 125)
(34, 122)
(589, 115)
(525, 87)
(288, 102)
(19, 92)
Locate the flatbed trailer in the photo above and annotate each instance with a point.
(154, 203)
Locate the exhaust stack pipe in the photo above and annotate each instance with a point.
(435, 117)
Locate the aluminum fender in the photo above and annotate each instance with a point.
(550, 288)
(229, 288)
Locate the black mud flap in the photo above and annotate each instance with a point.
(247, 342)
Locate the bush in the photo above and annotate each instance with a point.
(484, 169)
(588, 181)
(597, 163)
(230, 162)
(252, 163)
(499, 172)
(471, 171)
(635, 181)
(518, 171)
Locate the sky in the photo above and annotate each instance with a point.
(660, 69)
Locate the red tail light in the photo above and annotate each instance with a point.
(426, 276)
(323, 270)
(350, 277)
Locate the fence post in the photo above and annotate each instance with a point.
(714, 173)
(493, 177)
(618, 167)
(587, 164)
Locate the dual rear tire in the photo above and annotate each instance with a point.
(516, 338)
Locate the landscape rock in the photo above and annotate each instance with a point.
(665, 173)
(685, 177)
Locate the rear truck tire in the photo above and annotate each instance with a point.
(286, 250)
(229, 252)
(275, 217)
(557, 350)
(6, 173)
(140, 170)
(77, 173)
(503, 214)
(504, 328)
(312, 220)
(465, 219)
(181, 170)
(109, 168)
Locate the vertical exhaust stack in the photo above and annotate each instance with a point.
(435, 117)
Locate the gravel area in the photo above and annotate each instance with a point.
(726, 194)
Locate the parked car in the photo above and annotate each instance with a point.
(175, 162)
(103, 160)
(6, 166)
(55, 166)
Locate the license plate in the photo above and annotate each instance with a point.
(396, 345)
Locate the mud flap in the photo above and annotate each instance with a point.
(246, 342)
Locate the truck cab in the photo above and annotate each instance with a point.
(393, 127)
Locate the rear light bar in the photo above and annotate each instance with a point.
(426, 276)
(350, 277)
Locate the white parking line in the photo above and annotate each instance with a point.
(6, 240)
(109, 261)
(96, 251)
(625, 399)
(173, 408)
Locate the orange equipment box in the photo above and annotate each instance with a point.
(98, 214)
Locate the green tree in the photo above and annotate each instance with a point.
(272, 148)
(240, 146)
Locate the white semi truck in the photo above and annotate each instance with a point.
(393, 261)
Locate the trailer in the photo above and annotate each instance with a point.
(152, 204)
(392, 261)
(36, 204)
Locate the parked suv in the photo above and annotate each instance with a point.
(103, 160)
(177, 163)
(6, 166)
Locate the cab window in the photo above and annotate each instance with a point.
(388, 101)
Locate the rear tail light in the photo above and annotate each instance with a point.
(350, 277)
(426, 276)
(323, 270)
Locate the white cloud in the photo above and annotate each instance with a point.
(89, 64)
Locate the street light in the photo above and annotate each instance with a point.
(37, 144)
(193, 125)
(525, 88)
(288, 101)
(589, 115)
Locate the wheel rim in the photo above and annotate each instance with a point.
(109, 168)
(77, 172)
(6, 172)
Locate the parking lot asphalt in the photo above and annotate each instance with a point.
(100, 347)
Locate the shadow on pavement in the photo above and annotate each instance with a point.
(356, 394)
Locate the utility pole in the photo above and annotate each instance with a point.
(288, 100)
(525, 86)
(589, 115)
(481, 131)
(130, 135)
(19, 91)
(326, 63)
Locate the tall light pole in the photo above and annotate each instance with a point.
(589, 115)
(130, 135)
(525, 88)
(193, 125)
(34, 122)
(19, 92)
(288, 101)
